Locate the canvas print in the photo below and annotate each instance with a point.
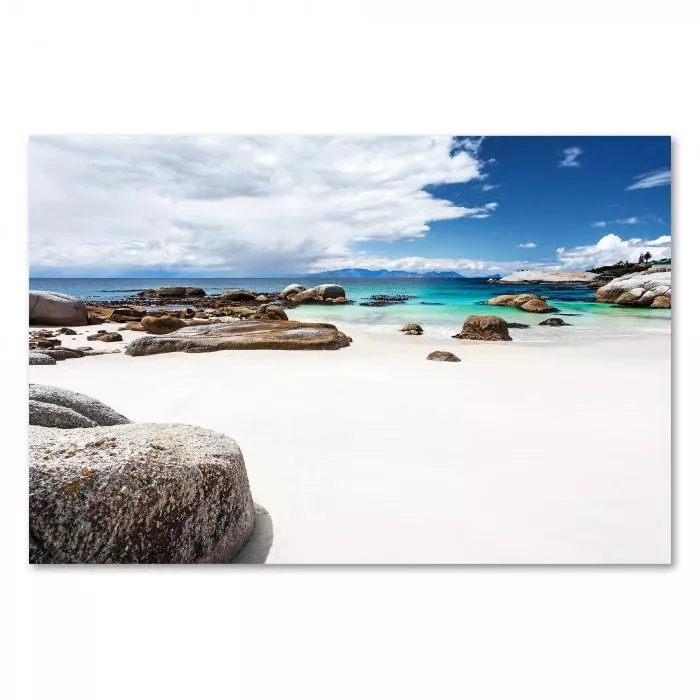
(349, 349)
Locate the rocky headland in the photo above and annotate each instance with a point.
(651, 287)
(548, 277)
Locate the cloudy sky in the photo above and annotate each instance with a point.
(233, 206)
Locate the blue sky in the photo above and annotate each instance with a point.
(239, 206)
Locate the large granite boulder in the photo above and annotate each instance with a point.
(248, 334)
(159, 325)
(548, 277)
(290, 290)
(484, 328)
(136, 493)
(639, 289)
(44, 399)
(54, 309)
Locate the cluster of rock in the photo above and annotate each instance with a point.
(386, 299)
(104, 490)
(173, 292)
(45, 348)
(650, 288)
(525, 302)
(290, 296)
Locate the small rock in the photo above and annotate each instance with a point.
(40, 358)
(443, 356)
(106, 337)
(554, 321)
(67, 331)
(412, 329)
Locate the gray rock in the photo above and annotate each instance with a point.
(90, 408)
(548, 277)
(243, 335)
(63, 353)
(40, 358)
(51, 415)
(290, 290)
(328, 291)
(237, 295)
(111, 351)
(136, 493)
(54, 309)
(443, 356)
(650, 287)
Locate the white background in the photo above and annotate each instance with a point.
(361, 67)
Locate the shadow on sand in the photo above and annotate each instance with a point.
(258, 546)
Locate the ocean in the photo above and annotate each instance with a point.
(440, 305)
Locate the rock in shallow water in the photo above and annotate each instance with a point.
(484, 328)
(554, 322)
(244, 335)
(136, 493)
(650, 287)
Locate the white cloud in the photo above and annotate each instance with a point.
(234, 205)
(610, 249)
(527, 245)
(569, 156)
(488, 188)
(629, 221)
(655, 178)
(482, 212)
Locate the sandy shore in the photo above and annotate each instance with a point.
(521, 453)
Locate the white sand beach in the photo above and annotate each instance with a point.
(521, 453)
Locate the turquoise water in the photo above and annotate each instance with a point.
(440, 306)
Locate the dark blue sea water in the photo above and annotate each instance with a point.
(440, 303)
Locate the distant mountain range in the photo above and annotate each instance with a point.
(361, 273)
